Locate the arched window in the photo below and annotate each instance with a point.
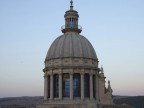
(76, 85)
(94, 86)
(48, 86)
(56, 85)
(86, 85)
(66, 85)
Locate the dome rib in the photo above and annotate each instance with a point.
(87, 48)
(94, 53)
(76, 49)
(51, 50)
(55, 47)
(71, 45)
(61, 52)
(80, 46)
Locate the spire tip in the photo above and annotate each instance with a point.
(71, 5)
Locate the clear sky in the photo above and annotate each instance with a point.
(28, 27)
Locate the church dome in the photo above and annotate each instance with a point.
(71, 73)
(71, 45)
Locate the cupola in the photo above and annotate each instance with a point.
(71, 20)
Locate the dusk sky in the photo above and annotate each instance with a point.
(28, 27)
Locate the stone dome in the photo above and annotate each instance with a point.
(71, 45)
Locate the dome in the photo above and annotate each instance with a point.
(71, 45)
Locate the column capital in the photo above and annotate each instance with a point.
(51, 72)
(60, 73)
(91, 74)
(82, 70)
(71, 73)
(82, 73)
(45, 75)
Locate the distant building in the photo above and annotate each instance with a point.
(72, 78)
(12, 106)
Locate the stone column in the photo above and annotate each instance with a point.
(82, 86)
(51, 86)
(97, 87)
(45, 87)
(60, 86)
(71, 86)
(91, 86)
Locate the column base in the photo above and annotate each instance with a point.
(71, 104)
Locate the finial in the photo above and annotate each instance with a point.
(71, 5)
(102, 69)
(109, 87)
(109, 82)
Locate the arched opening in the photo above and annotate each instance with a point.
(48, 86)
(66, 85)
(86, 86)
(56, 85)
(76, 85)
(94, 86)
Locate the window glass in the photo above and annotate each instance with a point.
(66, 85)
(56, 85)
(76, 85)
(86, 85)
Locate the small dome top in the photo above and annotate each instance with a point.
(71, 12)
(71, 45)
(71, 20)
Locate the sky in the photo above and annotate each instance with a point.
(28, 27)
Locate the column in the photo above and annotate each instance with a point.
(71, 86)
(91, 86)
(51, 86)
(60, 86)
(82, 86)
(97, 87)
(45, 87)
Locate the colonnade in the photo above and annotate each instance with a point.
(92, 83)
(71, 22)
